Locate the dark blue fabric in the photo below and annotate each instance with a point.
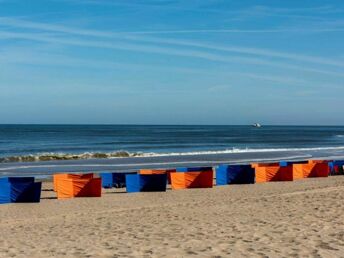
(119, 179)
(31, 193)
(336, 163)
(194, 169)
(116, 180)
(15, 189)
(339, 163)
(146, 183)
(14, 180)
(235, 174)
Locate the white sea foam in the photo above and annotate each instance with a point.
(234, 150)
(125, 154)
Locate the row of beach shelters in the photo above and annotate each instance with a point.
(290, 171)
(25, 189)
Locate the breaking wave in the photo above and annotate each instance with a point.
(125, 154)
(67, 156)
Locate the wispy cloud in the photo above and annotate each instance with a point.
(127, 36)
(132, 41)
(161, 50)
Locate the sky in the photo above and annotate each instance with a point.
(172, 62)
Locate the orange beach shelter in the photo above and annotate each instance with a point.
(70, 185)
(314, 168)
(273, 173)
(56, 177)
(183, 180)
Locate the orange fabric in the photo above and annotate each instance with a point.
(56, 177)
(255, 165)
(70, 185)
(183, 180)
(298, 171)
(312, 169)
(313, 161)
(269, 174)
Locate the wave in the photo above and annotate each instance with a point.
(126, 154)
(68, 156)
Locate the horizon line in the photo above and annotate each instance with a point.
(142, 124)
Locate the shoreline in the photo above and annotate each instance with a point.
(47, 168)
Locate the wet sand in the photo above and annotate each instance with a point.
(303, 218)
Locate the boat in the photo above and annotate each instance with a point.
(257, 125)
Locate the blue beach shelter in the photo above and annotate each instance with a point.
(145, 183)
(116, 180)
(334, 164)
(235, 174)
(107, 181)
(194, 169)
(19, 189)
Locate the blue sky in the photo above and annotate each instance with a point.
(172, 61)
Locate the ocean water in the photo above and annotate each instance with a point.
(48, 148)
(44, 142)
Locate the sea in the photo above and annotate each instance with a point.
(45, 149)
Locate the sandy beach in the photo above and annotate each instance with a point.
(303, 218)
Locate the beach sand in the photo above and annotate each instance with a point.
(303, 218)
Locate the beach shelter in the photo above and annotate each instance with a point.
(336, 167)
(273, 173)
(145, 183)
(313, 168)
(158, 172)
(116, 180)
(234, 174)
(56, 177)
(70, 185)
(19, 189)
(192, 178)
